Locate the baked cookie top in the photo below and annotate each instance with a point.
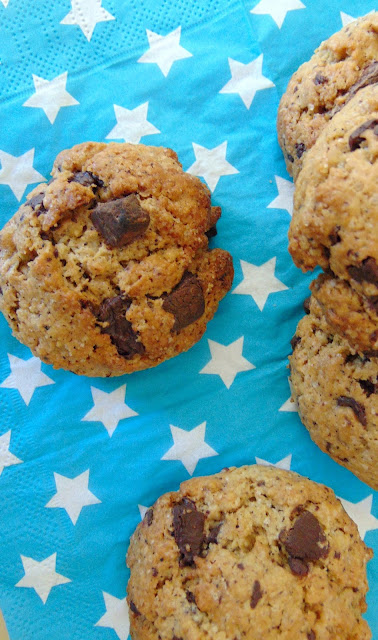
(353, 316)
(106, 269)
(337, 394)
(339, 68)
(335, 216)
(254, 553)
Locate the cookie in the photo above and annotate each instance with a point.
(353, 316)
(337, 395)
(335, 215)
(339, 68)
(106, 269)
(254, 552)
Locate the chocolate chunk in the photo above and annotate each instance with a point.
(133, 608)
(337, 555)
(320, 79)
(290, 157)
(112, 311)
(148, 517)
(306, 304)
(190, 597)
(300, 148)
(311, 635)
(212, 232)
(368, 76)
(306, 540)
(357, 408)
(298, 567)
(368, 271)
(154, 572)
(356, 138)
(256, 594)
(368, 387)
(334, 236)
(188, 530)
(87, 179)
(37, 202)
(295, 341)
(120, 221)
(186, 301)
(213, 534)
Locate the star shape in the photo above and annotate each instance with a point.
(246, 79)
(17, 172)
(109, 408)
(211, 164)
(116, 616)
(26, 376)
(132, 124)
(277, 9)
(50, 95)
(259, 282)
(347, 19)
(281, 464)
(284, 200)
(164, 50)
(360, 512)
(189, 447)
(41, 576)
(5, 2)
(227, 361)
(142, 510)
(7, 459)
(72, 494)
(289, 405)
(86, 14)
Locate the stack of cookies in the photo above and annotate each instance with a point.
(328, 130)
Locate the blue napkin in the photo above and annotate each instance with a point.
(81, 459)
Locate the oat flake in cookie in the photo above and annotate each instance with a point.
(335, 215)
(106, 269)
(339, 68)
(254, 553)
(337, 394)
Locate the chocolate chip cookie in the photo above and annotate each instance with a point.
(353, 316)
(335, 216)
(339, 68)
(106, 269)
(253, 553)
(337, 395)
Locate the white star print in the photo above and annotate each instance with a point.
(109, 408)
(347, 19)
(259, 282)
(189, 447)
(26, 376)
(7, 459)
(360, 512)
(72, 494)
(211, 164)
(277, 9)
(41, 576)
(116, 616)
(289, 405)
(281, 464)
(86, 14)
(164, 50)
(50, 95)
(142, 510)
(227, 361)
(132, 124)
(284, 200)
(5, 2)
(17, 172)
(246, 79)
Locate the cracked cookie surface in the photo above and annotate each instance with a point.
(339, 68)
(253, 553)
(337, 395)
(106, 269)
(335, 215)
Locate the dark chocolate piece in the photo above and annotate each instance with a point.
(367, 271)
(300, 148)
(134, 609)
(213, 534)
(295, 341)
(120, 221)
(188, 530)
(306, 304)
(304, 542)
(186, 301)
(37, 202)
(356, 138)
(368, 387)
(320, 79)
(357, 408)
(112, 311)
(256, 594)
(148, 517)
(87, 179)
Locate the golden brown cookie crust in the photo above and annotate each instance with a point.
(241, 581)
(57, 268)
(335, 216)
(337, 395)
(323, 85)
